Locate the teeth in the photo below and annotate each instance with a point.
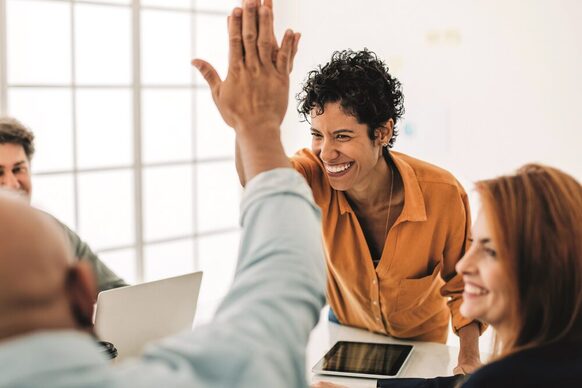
(471, 289)
(337, 168)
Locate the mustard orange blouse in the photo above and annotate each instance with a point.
(407, 294)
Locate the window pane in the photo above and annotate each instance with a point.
(186, 4)
(211, 39)
(111, 1)
(166, 47)
(47, 113)
(106, 208)
(213, 137)
(167, 202)
(218, 195)
(55, 195)
(104, 123)
(217, 5)
(168, 259)
(39, 42)
(122, 262)
(167, 125)
(217, 257)
(103, 55)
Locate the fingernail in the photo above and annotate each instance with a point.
(237, 12)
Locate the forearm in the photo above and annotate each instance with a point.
(259, 151)
(469, 341)
(239, 165)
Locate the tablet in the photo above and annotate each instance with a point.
(363, 359)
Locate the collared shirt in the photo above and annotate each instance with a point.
(406, 295)
(258, 336)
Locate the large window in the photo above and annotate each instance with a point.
(131, 152)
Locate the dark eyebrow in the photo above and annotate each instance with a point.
(344, 130)
(19, 163)
(481, 240)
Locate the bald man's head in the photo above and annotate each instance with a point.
(41, 286)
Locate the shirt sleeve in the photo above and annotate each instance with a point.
(106, 278)
(456, 245)
(259, 334)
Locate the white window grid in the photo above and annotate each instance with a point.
(137, 166)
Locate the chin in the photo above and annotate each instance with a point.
(469, 311)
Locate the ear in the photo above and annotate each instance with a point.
(82, 293)
(384, 132)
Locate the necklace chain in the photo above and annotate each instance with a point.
(389, 207)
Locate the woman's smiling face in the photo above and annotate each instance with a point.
(487, 295)
(343, 145)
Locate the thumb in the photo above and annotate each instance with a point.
(209, 73)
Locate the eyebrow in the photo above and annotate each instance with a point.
(343, 130)
(481, 240)
(17, 164)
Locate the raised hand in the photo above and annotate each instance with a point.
(254, 96)
(256, 89)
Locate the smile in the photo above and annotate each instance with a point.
(338, 169)
(473, 290)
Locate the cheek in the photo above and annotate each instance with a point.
(501, 289)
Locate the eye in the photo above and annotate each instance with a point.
(343, 137)
(490, 252)
(316, 135)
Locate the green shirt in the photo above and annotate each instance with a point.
(106, 278)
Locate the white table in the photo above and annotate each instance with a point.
(428, 359)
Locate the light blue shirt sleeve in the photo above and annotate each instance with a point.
(259, 335)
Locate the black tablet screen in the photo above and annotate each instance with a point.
(366, 358)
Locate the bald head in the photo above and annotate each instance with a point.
(36, 265)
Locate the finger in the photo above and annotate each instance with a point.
(249, 32)
(285, 52)
(294, 48)
(265, 42)
(209, 73)
(269, 4)
(235, 48)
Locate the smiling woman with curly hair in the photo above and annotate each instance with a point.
(394, 226)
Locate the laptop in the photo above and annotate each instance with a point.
(132, 316)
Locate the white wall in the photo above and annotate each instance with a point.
(488, 84)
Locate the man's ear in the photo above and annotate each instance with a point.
(384, 132)
(82, 293)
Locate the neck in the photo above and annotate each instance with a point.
(373, 190)
(503, 333)
(27, 321)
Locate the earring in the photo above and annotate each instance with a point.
(384, 145)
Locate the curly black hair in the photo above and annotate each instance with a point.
(362, 85)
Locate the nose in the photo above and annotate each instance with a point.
(9, 180)
(328, 151)
(467, 263)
